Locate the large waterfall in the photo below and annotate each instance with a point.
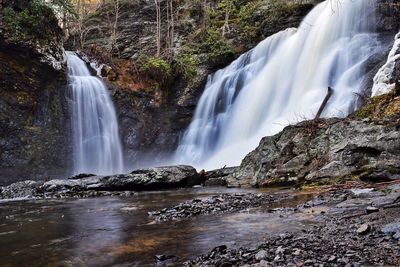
(96, 143)
(282, 81)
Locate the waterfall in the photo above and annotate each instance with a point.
(96, 143)
(282, 81)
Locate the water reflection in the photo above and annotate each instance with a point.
(117, 231)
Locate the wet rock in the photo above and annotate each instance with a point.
(213, 205)
(261, 255)
(330, 243)
(87, 185)
(365, 192)
(219, 177)
(371, 209)
(164, 260)
(25, 189)
(392, 228)
(364, 229)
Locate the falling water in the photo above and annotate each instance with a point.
(96, 143)
(282, 81)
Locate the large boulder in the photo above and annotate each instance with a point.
(82, 185)
(324, 149)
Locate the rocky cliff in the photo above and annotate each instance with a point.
(34, 117)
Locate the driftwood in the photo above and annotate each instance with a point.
(323, 105)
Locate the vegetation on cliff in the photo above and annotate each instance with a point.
(193, 38)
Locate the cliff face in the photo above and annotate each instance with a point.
(34, 117)
(152, 120)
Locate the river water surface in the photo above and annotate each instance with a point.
(117, 230)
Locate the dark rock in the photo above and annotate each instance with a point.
(164, 260)
(139, 180)
(34, 117)
(213, 205)
(220, 177)
(371, 209)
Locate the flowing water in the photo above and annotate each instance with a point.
(116, 231)
(96, 143)
(282, 81)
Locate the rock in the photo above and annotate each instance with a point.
(139, 180)
(371, 209)
(25, 189)
(364, 229)
(364, 192)
(34, 110)
(391, 228)
(332, 258)
(219, 177)
(261, 255)
(331, 148)
(164, 260)
(213, 205)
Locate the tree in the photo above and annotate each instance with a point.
(228, 9)
(114, 30)
(158, 29)
(170, 27)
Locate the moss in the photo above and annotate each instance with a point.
(380, 107)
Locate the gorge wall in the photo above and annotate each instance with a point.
(34, 116)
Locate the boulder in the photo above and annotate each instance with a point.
(139, 180)
(324, 149)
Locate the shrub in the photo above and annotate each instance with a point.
(216, 46)
(36, 20)
(185, 64)
(155, 68)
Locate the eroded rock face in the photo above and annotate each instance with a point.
(34, 117)
(326, 149)
(91, 185)
(388, 16)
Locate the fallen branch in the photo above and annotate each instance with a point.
(323, 105)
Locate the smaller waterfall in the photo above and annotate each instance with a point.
(96, 143)
(383, 80)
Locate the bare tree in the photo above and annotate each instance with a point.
(158, 34)
(170, 26)
(114, 30)
(228, 8)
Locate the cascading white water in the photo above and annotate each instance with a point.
(96, 143)
(282, 81)
(383, 83)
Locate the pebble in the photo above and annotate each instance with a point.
(261, 255)
(371, 209)
(363, 229)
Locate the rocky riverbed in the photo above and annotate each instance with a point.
(357, 227)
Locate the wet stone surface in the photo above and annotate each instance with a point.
(213, 205)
